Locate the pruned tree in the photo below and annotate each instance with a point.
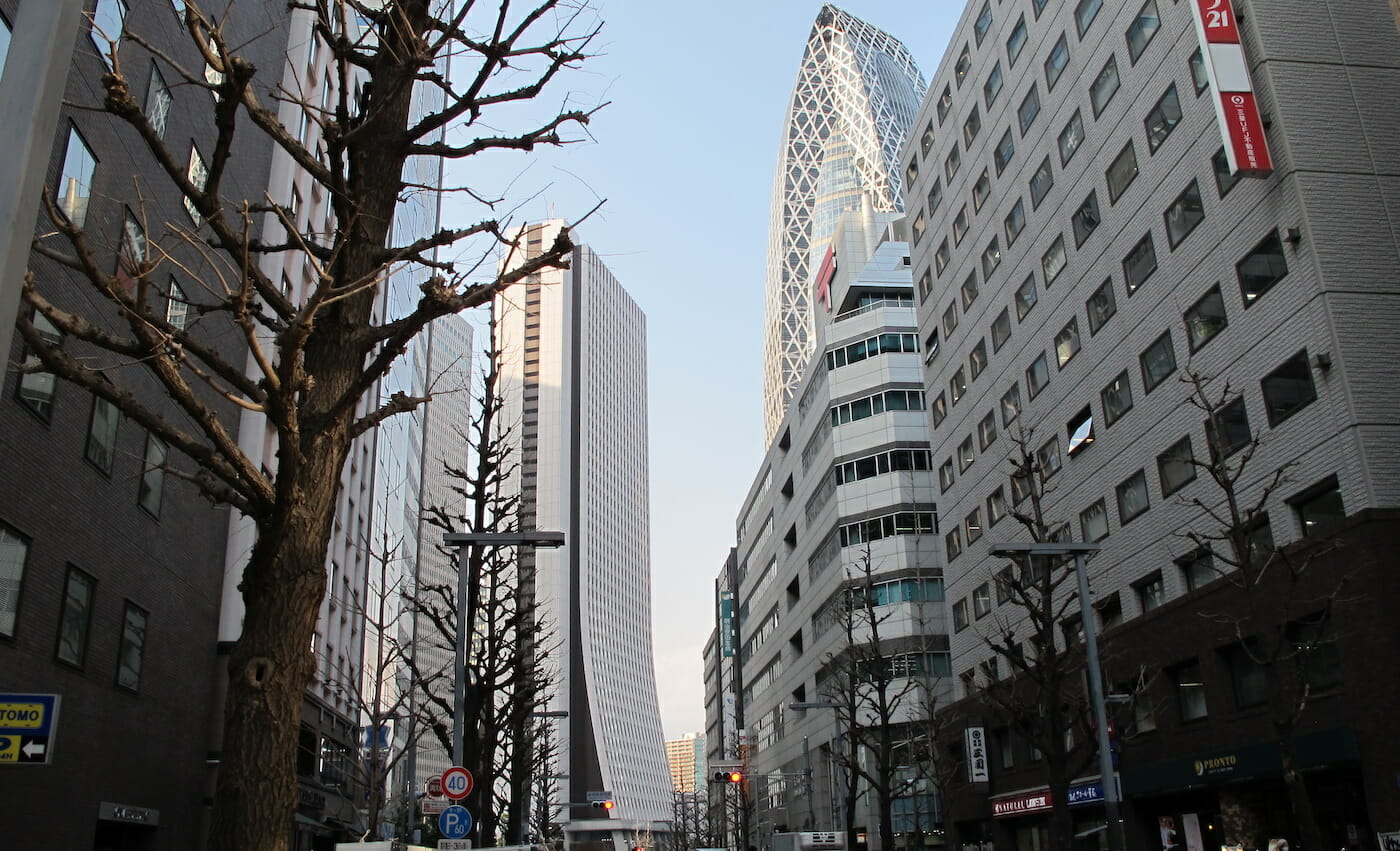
(507, 673)
(872, 680)
(310, 359)
(690, 823)
(1283, 609)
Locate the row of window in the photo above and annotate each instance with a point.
(75, 613)
(869, 406)
(887, 526)
(877, 345)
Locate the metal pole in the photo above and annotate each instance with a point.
(807, 766)
(459, 698)
(31, 91)
(1112, 805)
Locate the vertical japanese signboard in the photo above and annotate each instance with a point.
(1227, 69)
(975, 740)
(726, 623)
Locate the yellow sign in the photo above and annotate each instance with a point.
(9, 748)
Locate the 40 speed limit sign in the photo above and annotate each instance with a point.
(457, 783)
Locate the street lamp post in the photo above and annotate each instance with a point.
(1111, 800)
(464, 541)
(803, 706)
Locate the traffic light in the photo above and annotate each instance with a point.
(603, 805)
(728, 776)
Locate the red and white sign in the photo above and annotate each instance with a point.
(825, 274)
(433, 807)
(457, 783)
(434, 789)
(1227, 69)
(1022, 803)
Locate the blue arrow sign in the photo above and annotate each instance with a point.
(454, 822)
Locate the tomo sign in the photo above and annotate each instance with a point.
(457, 783)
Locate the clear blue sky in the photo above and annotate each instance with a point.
(684, 156)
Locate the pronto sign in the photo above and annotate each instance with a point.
(28, 723)
(1227, 70)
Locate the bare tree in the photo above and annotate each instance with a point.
(311, 360)
(1284, 606)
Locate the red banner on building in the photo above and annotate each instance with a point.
(1227, 70)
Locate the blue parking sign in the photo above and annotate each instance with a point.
(454, 822)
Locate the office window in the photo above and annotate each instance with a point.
(36, 389)
(1247, 678)
(992, 87)
(198, 174)
(4, 43)
(1010, 405)
(961, 223)
(1080, 430)
(935, 194)
(1048, 458)
(75, 617)
(1105, 86)
(1288, 389)
(965, 454)
(931, 341)
(134, 249)
(957, 385)
(152, 486)
(981, 600)
(1197, 64)
(1184, 214)
(1016, 41)
(1037, 375)
(1151, 592)
(1262, 268)
(939, 409)
(14, 552)
(1158, 361)
(971, 127)
(1162, 119)
(960, 619)
(1142, 29)
(983, 22)
(1198, 569)
(1176, 467)
(1055, 62)
(1001, 329)
(972, 525)
(996, 507)
(132, 647)
(942, 256)
(1028, 110)
(926, 140)
(969, 290)
(1225, 180)
(1190, 691)
(991, 258)
(1015, 222)
(1121, 173)
(1021, 487)
(1320, 508)
(945, 103)
(1086, 219)
(1084, 14)
(1093, 522)
(1067, 343)
(950, 320)
(1053, 261)
(920, 225)
(1071, 137)
(177, 310)
(75, 180)
(980, 190)
(963, 65)
(1140, 263)
(1041, 181)
(1005, 150)
(1227, 431)
(1205, 318)
(158, 101)
(1025, 297)
(946, 476)
(101, 446)
(108, 18)
(952, 542)
(1101, 306)
(987, 431)
(977, 359)
(1117, 398)
(911, 172)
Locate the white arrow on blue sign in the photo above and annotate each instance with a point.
(454, 822)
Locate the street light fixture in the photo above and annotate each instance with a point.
(804, 706)
(463, 542)
(1031, 549)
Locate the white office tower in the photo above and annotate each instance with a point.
(573, 376)
(856, 96)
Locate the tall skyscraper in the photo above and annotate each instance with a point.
(573, 375)
(857, 93)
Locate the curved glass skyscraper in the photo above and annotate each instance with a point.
(857, 93)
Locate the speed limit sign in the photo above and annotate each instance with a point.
(457, 783)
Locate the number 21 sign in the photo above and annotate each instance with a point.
(1227, 69)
